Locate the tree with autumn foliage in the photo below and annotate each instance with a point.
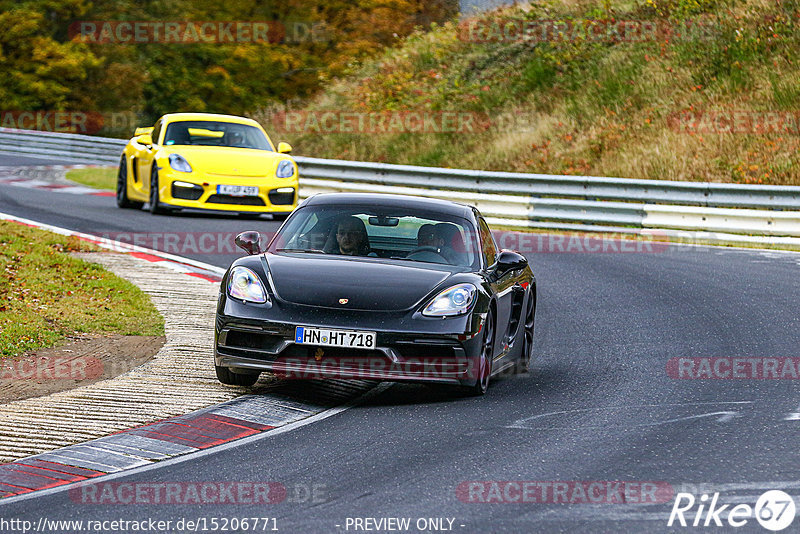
(50, 69)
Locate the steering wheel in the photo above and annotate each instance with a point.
(425, 251)
(305, 241)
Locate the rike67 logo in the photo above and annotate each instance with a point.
(774, 510)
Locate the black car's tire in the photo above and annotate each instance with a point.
(155, 203)
(527, 333)
(484, 366)
(122, 187)
(229, 378)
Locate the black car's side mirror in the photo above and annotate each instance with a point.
(508, 260)
(250, 242)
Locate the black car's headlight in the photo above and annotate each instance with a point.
(244, 284)
(455, 300)
(179, 163)
(285, 169)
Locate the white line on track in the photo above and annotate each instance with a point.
(726, 416)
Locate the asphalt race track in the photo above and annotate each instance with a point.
(599, 405)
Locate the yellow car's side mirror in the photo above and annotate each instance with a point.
(141, 130)
(145, 139)
(284, 148)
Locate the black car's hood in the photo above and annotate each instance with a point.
(368, 284)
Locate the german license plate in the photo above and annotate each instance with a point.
(304, 335)
(238, 190)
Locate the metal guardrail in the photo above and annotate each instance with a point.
(69, 148)
(547, 185)
(512, 199)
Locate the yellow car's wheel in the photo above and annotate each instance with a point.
(122, 187)
(155, 204)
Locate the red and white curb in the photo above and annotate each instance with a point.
(180, 264)
(248, 416)
(48, 178)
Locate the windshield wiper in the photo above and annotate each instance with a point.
(308, 250)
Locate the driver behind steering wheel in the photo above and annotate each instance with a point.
(429, 245)
(427, 237)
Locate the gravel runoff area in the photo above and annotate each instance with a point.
(178, 380)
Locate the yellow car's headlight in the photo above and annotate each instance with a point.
(179, 163)
(285, 169)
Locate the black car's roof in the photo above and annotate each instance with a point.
(390, 200)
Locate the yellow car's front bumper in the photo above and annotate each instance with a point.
(199, 191)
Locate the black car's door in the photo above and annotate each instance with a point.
(505, 288)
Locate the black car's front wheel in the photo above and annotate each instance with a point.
(229, 378)
(527, 333)
(122, 187)
(483, 368)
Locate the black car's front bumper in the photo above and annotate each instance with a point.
(408, 347)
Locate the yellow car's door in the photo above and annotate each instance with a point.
(143, 155)
(144, 162)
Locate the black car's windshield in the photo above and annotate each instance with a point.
(395, 233)
(215, 133)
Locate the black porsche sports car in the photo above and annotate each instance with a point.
(386, 287)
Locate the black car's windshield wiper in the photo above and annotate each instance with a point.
(422, 261)
(308, 250)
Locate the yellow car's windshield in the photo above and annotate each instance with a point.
(215, 133)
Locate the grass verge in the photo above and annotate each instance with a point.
(653, 108)
(97, 177)
(46, 294)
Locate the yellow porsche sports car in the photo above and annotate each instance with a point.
(207, 161)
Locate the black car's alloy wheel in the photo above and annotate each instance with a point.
(484, 366)
(122, 187)
(527, 345)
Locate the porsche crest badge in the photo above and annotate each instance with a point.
(318, 354)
